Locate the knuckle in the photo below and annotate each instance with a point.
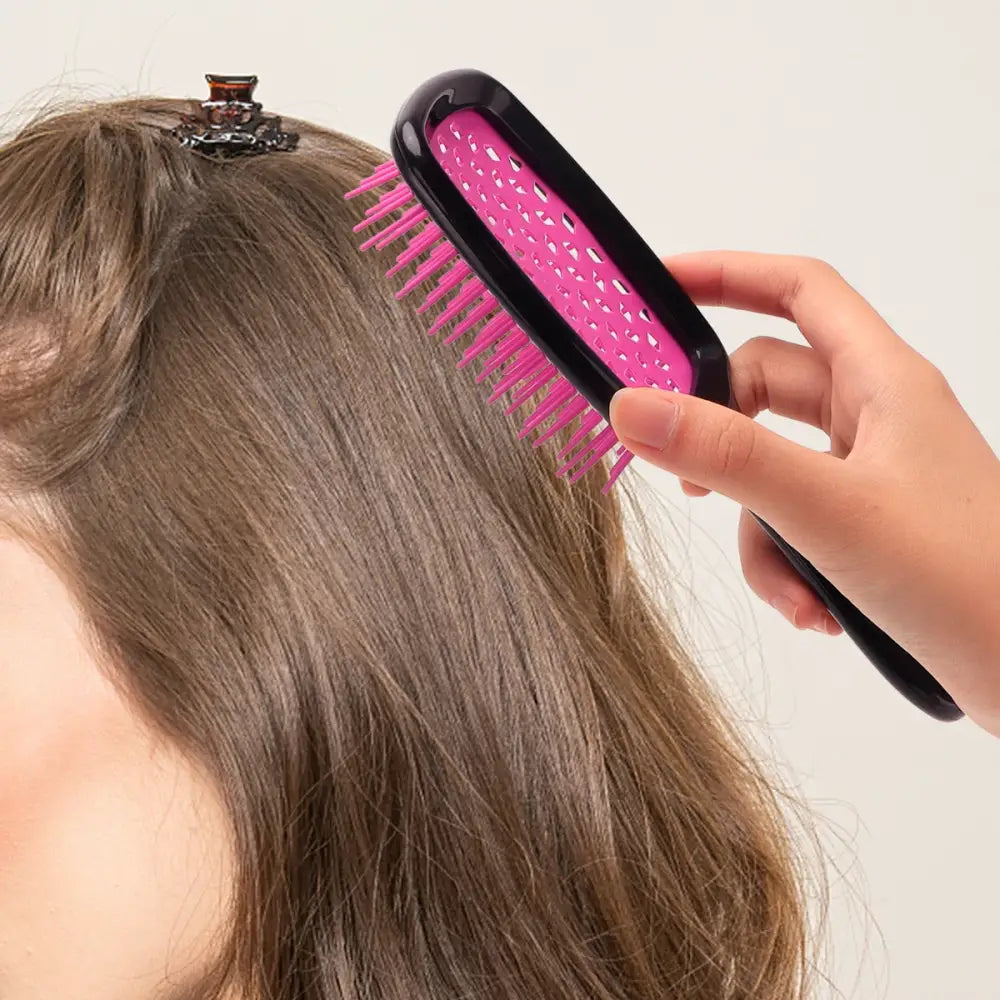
(816, 267)
(747, 375)
(756, 349)
(933, 380)
(734, 447)
(801, 273)
(916, 380)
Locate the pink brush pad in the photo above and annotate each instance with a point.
(559, 254)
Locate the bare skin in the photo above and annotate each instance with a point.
(114, 857)
(900, 514)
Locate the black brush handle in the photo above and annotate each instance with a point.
(895, 664)
(431, 104)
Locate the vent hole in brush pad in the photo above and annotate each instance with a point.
(559, 254)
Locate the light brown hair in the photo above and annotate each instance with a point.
(462, 752)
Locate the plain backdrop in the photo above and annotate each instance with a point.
(866, 132)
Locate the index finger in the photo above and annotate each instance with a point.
(832, 316)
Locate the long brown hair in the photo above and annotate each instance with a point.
(462, 752)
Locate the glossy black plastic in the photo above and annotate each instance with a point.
(451, 92)
(536, 316)
(898, 667)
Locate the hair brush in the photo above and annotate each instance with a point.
(564, 302)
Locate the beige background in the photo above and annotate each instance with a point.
(867, 133)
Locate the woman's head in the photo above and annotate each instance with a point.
(316, 682)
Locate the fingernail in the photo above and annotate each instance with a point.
(827, 625)
(644, 416)
(786, 608)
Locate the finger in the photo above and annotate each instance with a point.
(806, 495)
(787, 379)
(832, 316)
(691, 490)
(773, 580)
(790, 380)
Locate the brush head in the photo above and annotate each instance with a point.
(559, 254)
(567, 304)
(565, 298)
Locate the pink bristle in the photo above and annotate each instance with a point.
(575, 459)
(440, 255)
(588, 453)
(492, 332)
(384, 174)
(588, 465)
(475, 316)
(570, 412)
(525, 368)
(537, 382)
(600, 446)
(455, 274)
(410, 218)
(504, 351)
(371, 241)
(383, 207)
(520, 365)
(587, 424)
(560, 393)
(424, 241)
(472, 317)
(467, 294)
(602, 441)
(389, 202)
(621, 463)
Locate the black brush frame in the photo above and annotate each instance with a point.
(443, 95)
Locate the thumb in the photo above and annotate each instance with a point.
(797, 490)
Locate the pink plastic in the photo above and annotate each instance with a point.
(564, 261)
(560, 255)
